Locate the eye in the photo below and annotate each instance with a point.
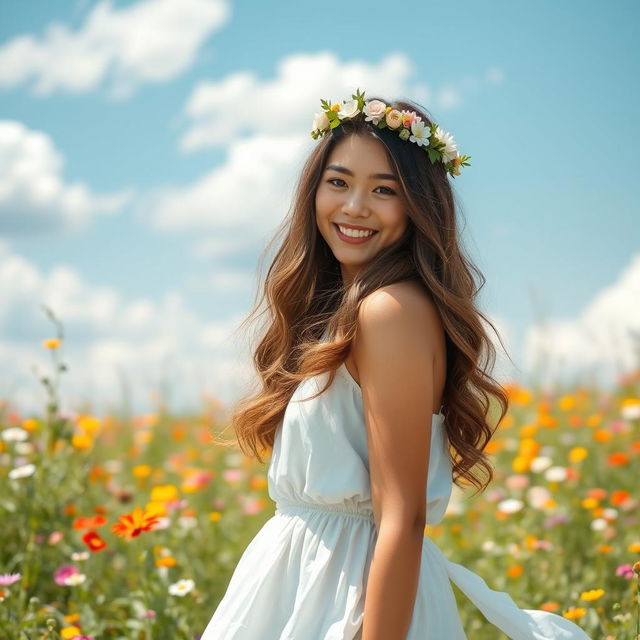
(389, 192)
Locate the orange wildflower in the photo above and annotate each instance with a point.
(92, 522)
(515, 571)
(166, 561)
(131, 525)
(573, 613)
(575, 420)
(618, 459)
(619, 497)
(602, 435)
(550, 606)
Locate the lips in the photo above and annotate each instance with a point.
(350, 240)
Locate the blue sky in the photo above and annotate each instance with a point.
(154, 201)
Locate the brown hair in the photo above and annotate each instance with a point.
(305, 295)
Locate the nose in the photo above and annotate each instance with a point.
(355, 204)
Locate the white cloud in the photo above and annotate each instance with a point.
(33, 195)
(601, 343)
(243, 104)
(241, 198)
(146, 42)
(108, 339)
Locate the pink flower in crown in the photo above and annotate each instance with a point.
(374, 111)
(409, 117)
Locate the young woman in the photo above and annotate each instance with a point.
(374, 400)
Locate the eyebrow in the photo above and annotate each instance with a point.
(381, 176)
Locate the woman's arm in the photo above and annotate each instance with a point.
(394, 355)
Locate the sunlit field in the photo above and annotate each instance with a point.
(130, 526)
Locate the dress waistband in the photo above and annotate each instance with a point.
(300, 508)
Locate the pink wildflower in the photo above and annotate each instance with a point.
(625, 571)
(64, 572)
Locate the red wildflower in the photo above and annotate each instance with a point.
(93, 541)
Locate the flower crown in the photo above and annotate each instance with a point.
(439, 144)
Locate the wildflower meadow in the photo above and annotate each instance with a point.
(129, 526)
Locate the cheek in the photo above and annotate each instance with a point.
(324, 201)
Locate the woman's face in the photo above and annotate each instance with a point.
(358, 190)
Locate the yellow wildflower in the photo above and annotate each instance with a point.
(141, 471)
(578, 454)
(164, 493)
(88, 424)
(82, 441)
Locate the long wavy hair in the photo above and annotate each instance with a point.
(305, 296)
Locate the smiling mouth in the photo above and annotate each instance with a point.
(352, 239)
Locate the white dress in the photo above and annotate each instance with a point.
(304, 574)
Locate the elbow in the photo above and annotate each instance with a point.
(420, 522)
(405, 525)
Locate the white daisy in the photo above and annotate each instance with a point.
(182, 587)
(450, 150)
(24, 471)
(510, 505)
(631, 411)
(75, 579)
(14, 434)
(556, 474)
(420, 134)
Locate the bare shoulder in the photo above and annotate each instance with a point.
(398, 314)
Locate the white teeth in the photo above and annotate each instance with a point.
(355, 233)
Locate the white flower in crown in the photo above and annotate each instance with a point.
(450, 150)
(320, 122)
(374, 111)
(420, 133)
(348, 109)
